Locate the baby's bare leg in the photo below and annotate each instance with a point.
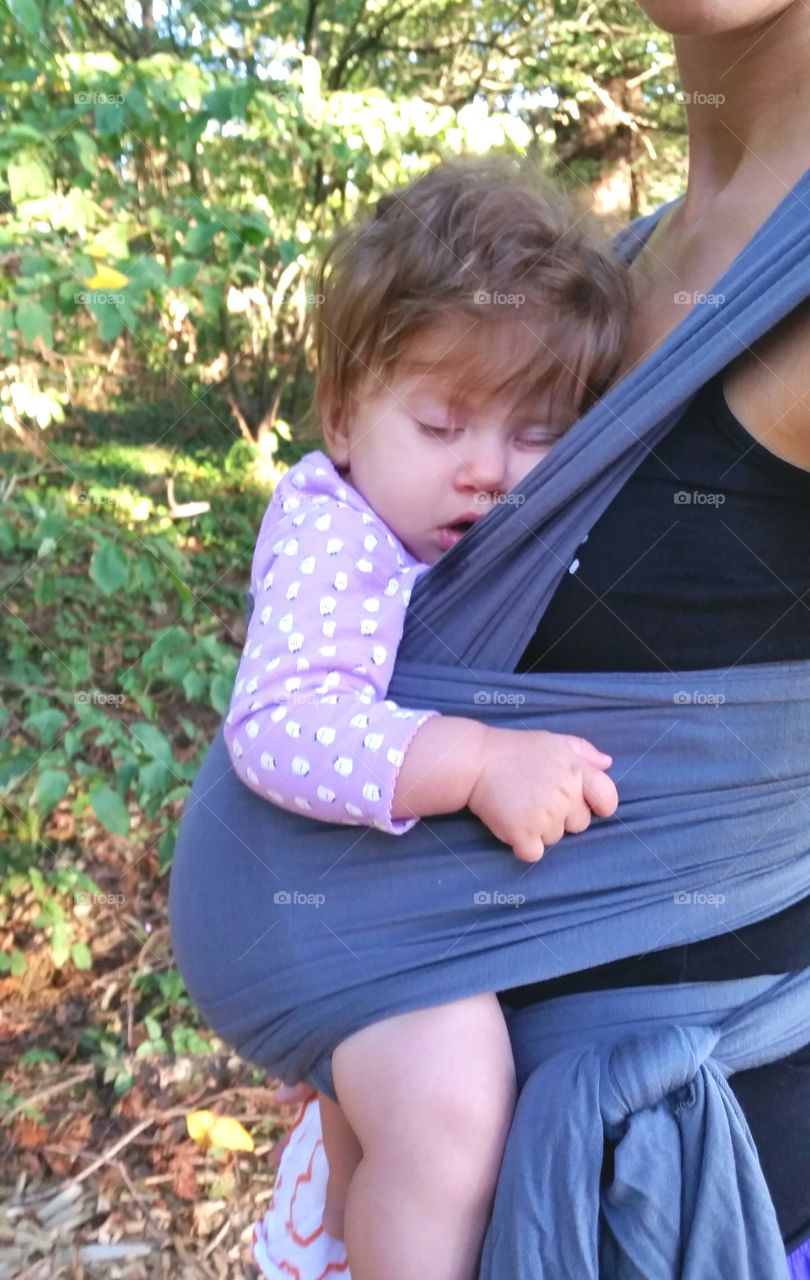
(430, 1096)
(343, 1155)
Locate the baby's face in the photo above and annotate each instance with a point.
(428, 468)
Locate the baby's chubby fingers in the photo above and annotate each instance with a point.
(528, 849)
(591, 753)
(599, 791)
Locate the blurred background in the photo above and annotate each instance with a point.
(168, 176)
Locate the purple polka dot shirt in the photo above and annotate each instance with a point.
(309, 726)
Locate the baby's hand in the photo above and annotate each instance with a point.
(534, 786)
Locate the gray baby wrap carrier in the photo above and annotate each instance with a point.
(628, 1155)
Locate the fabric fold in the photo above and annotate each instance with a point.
(628, 1154)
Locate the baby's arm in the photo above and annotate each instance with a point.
(527, 786)
(309, 726)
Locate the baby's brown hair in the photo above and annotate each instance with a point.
(544, 300)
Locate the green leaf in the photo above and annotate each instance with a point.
(17, 766)
(153, 778)
(127, 773)
(28, 178)
(146, 273)
(60, 944)
(79, 663)
(114, 239)
(172, 640)
(46, 725)
(220, 693)
(109, 567)
(200, 238)
(110, 809)
(86, 150)
(183, 273)
(193, 685)
(33, 264)
(51, 786)
(109, 116)
(153, 1028)
(165, 847)
(153, 741)
(81, 955)
(109, 318)
(18, 964)
(33, 1056)
(26, 15)
(33, 321)
(176, 665)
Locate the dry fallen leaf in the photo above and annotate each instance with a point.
(184, 1176)
(218, 1131)
(27, 1133)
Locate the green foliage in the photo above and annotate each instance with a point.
(166, 189)
(120, 655)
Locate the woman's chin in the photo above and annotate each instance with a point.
(698, 18)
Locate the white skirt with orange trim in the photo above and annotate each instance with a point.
(290, 1243)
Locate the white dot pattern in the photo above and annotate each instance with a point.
(309, 726)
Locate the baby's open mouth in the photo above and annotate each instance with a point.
(450, 534)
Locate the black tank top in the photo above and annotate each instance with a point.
(702, 560)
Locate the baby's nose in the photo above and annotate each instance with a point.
(487, 467)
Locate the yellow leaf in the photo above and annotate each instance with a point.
(106, 278)
(218, 1131)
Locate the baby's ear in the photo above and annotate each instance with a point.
(335, 430)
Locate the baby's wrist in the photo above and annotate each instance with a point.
(441, 767)
(480, 746)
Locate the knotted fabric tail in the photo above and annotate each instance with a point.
(629, 1158)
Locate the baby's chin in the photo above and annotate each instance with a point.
(421, 549)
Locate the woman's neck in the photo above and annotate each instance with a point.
(748, 103)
